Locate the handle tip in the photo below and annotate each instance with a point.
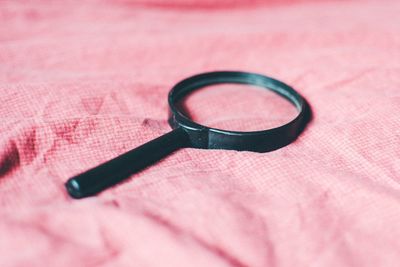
(74, 189)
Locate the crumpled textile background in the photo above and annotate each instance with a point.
(83, 81)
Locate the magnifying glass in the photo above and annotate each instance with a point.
(189, 134)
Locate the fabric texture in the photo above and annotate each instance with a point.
(84, 81)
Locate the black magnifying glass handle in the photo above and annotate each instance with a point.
(114, 171)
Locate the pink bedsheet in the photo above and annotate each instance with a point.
(83, 81)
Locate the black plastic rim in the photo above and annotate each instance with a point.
(212, 138)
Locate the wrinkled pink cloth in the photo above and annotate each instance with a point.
(83, 81)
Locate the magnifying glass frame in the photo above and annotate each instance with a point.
(189, 134)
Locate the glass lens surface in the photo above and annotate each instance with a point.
(237, 107)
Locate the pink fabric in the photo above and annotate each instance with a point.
(81, 82)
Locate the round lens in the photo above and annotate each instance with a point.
(237, 107)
